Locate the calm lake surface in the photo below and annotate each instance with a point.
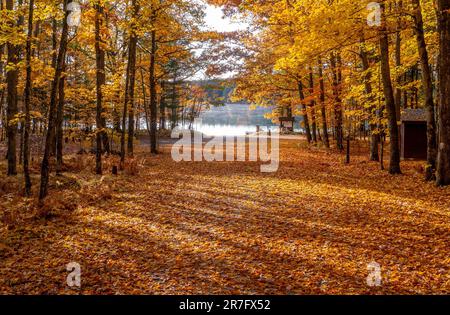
(234, 120)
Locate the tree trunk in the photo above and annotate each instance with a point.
(59, 121)
(428, 91)
(116, 114)
(305, 113)
(146, 110)
(11, 110)
(100, 78)
(394, 163)
(443, 157)
(174, 105)
(54, 61)
(398, 62)
(21, 135)
(347, 153)
(337, 104)
(50, 135)
(325, 139)
(132, 80)
(312, 105)
(2, 114)
(162, 107)
(26, 138)
(374, 135)
(124, 119)
(153, 102)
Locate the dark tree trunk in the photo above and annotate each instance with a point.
(54, 61)
(428, 91)
(2, 113)
(146, 106)
(325, 139)
(312, 105)
(443, 157)
(100, 78)
(394, 163)
(374, 135)
(128, 108)
(382, 152)
(153, 102)
(116, 114)
(304, 110)
(162, 107)
(131, 83)
(59, 121)
(398, 62)
(124, 119)
(26, 138)
(347, 153)
(54, 43)
(174, 106)
(50, 135)
(337, 103)
(21, 134)
(11, 110)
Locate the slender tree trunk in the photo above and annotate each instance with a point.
(54, 61)
(132, 80)
(124, 119)
(337, 104)
(174, 105)
(11, 110)
(398, 62)
(129, 93)
(374, 135)
(21, 134)
(59, 120)
(2, 113)
(347, 153)
(116, 114)
(2, 91)
(394, 164)
(54, 43)
(162, 107)
(325, 139)
(26, 138)
(443, 157)
(153, 102)
(146, 110)
(304, 110)
(137, 118)
(382, 151)
(428, 91)
(312, 104)
(100, 78)
(50, 135)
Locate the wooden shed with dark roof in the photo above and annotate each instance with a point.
(413, 134)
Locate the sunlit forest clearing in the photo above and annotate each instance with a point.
(334, 177)
(225, 228)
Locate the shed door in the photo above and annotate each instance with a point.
(415, 140)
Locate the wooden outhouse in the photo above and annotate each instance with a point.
(413, 134)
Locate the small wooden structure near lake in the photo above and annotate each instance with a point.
(286, 124)
(413, 134)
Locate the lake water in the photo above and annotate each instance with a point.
(234, 120)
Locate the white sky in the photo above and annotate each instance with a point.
(217, 22)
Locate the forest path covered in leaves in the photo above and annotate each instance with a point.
(225, 228)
